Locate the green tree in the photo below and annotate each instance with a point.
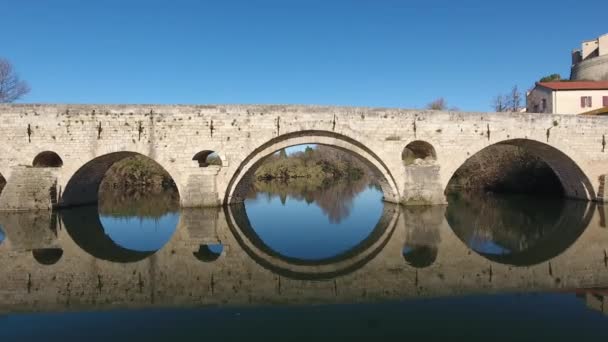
(551, 78)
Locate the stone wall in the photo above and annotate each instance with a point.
(593, 69)
(98, 135)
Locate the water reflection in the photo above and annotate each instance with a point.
(515, 229)
(119, 232)
(337, 218)
(218, 257)
(423, 234)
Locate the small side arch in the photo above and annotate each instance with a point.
(418, 149)
(47, 159)
(208, 158)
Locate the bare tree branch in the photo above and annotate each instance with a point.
(11, 87)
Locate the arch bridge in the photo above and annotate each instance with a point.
(57, 155)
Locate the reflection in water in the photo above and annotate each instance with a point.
(517, 229)
(219, 257)
(208, 253)
(121, 233)
(315, 226)
(47, 256)
(422, 240)
(334, 199)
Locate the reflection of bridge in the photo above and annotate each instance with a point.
(58, 154)
(247, 274)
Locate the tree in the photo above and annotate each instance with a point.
(510, 102)
(551, 78)
(12, 87)
(440, 104)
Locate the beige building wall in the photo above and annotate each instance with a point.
(603, 45)
(569, 102)
(563, 102)
(589, 49)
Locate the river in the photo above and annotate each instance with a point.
(307, 263)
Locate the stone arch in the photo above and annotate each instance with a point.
(83, 186)
(240, 181)
(47, 159)
(342, 264)
(576, 184)
(47, 256)
(208, 158)
(418, 149)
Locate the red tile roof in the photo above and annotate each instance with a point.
(575, 85)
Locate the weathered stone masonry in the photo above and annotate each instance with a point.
(90, 138)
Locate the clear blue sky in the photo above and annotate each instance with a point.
(368, 53)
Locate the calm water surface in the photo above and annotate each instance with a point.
(315, 263)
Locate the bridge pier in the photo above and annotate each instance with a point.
(422, 186)
(29, 188)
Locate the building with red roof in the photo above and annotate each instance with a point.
(567, 97)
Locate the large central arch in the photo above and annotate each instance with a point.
(239, 183)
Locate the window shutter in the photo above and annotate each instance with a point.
(590, 101)
(583, 102)
(605, 98)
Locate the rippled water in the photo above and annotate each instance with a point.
(318, 264)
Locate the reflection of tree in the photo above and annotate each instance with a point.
(516, 229)
(513, 222)
(334, 198)
(137, 201)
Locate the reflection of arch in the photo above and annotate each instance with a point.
(47, 159)
(420, 256)
(2, 183)
(207, 158)
(47, 256)
(85, 228)
(418, 150)
(208, 253)
(240, 181)
(574, 181)
(532, 231)
(345, 263)
(83, 186)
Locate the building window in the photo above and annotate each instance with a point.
(544, 105)
(586, 101)
(605, 101)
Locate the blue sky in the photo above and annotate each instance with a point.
(361, 53)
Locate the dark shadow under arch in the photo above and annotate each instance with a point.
(83, 186)
(243, 185)
(2, 183)
(47, 256)
(47, 159)
(207, 158)
(84, 227)
(573, 181)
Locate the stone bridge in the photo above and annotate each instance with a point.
(56, 155)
